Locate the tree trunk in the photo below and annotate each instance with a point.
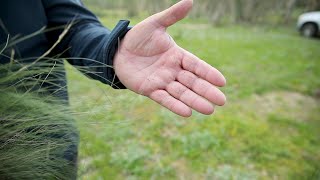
(238, 6)
(289, 9)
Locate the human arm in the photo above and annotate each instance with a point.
(86, 43)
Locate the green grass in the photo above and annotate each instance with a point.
(269, 128)
(36, 129)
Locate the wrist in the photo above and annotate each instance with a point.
(111, 52)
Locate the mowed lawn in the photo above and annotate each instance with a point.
(269, 129)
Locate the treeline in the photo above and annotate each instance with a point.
(222, 11)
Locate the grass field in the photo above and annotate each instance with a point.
(269, 129)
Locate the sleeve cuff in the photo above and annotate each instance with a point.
(117, 33)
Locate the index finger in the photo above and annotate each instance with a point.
(202, 69)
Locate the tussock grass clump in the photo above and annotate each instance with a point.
(36, 129)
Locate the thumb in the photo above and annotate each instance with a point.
(173, 14)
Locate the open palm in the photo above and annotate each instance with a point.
(150, 63)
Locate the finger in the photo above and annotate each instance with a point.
(202, 87)
(173, 14)
(202, 69)
(190, 98)
(169, 102)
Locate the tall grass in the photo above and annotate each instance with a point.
(38, 133)
(36, 129)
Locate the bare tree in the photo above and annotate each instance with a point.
(290, 5)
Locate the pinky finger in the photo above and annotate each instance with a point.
(165, 99)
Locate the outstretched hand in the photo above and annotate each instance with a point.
(150, 63)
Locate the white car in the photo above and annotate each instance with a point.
(309, 24)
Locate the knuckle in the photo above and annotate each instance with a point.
(177, 89)
(193, 101)
(188, 79)
(202, 88)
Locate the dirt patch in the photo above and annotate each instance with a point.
(182, 170)
(289, 104)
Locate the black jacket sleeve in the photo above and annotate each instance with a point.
(87, 42)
